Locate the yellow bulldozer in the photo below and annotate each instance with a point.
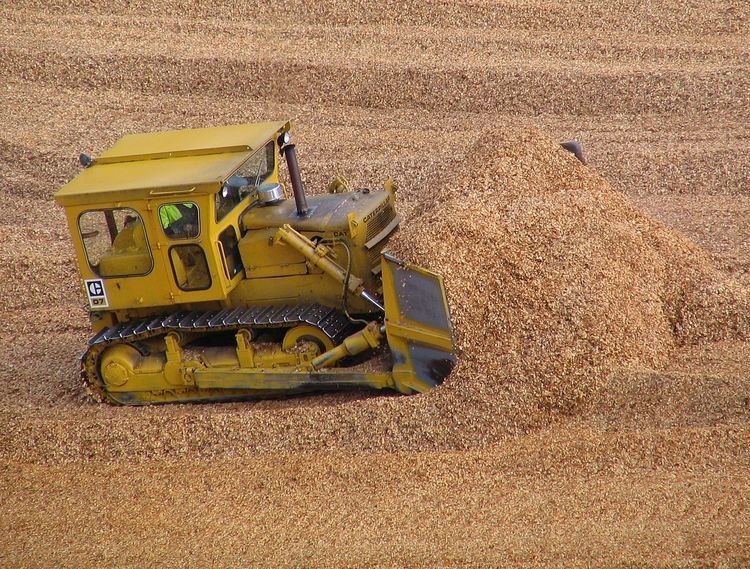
(206, 283)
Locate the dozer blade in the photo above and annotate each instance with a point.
(417, 325)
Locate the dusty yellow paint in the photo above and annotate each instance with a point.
(256, 255)
(193, 142)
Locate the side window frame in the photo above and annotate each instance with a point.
(270, 149)
(174, 271)
(234, 254)
(164, 229)
(103, 211)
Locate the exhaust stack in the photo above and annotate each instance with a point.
(290, 154)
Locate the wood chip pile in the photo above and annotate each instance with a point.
(554, 278)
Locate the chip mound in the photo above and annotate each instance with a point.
(554, 278)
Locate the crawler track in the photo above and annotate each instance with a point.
(329, 320)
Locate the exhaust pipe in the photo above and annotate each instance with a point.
(290, 154)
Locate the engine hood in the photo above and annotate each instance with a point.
(328, 212)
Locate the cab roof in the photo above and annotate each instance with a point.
(143, 165)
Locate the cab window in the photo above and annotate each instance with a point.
(255, 170)
(180, 220)
(190, 267)
(230, 251)
(115, 242)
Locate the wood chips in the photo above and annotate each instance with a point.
(598, 415)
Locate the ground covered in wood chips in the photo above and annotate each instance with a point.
(599, 413)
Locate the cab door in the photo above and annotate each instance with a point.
(183, 231)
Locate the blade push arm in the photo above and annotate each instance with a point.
(318, 255)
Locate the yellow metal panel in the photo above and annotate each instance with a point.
(157, 288)
(418, 325)
(139, 291)
(276, 271)
(192, 141)
(277, 380)
(259, 250)
(291, 289)
(103, 183)
(151, 164)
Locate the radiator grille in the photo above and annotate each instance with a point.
(379, 221)
(373, 255)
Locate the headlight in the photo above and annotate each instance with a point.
(285, 138)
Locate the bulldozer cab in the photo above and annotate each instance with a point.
(155, 220)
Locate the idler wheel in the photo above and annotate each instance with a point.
(118, 363)
(307, 333)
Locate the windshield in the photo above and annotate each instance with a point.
(256, 170)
